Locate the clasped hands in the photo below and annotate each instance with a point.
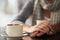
(43, 27)
(40, 29)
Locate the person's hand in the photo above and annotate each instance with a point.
(26, 28)
(40, 29)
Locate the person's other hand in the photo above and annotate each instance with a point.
(40, 29)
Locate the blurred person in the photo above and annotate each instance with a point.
(47, 12)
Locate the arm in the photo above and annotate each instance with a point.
(25, 12)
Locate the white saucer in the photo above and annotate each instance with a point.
(5, 35)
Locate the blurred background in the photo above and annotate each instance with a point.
(8, 10)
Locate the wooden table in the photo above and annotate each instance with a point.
(27, 38)
(54, 37)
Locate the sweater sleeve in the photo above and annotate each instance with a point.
(25, 12)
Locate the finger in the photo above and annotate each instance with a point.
(34, 34)
(50, 30)
(40, 34)
(44, 29)
(35, 29)
(44, 24)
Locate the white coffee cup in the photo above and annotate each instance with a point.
(14, 29)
